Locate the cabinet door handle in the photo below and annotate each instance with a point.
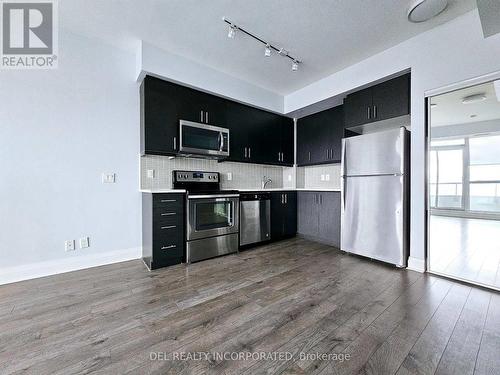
(286, 198)
(309, 153)
(369, 113)
(168, 214)
(169, 227)
(201, 116)
(320, 198)
(374, 111)
(168, 200)
(206, 117)
(168, 247)
(175, 143)
(245, 152)
(249, 152)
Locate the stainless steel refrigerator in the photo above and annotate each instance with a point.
(375, 196)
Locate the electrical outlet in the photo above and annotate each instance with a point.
(69, 245)
(229, 176)
(322, 177)
(289, 177)
(84, 242)
(151, 173)
(108, 178)
(327, 177)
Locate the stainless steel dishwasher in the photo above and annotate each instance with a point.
(255, 218)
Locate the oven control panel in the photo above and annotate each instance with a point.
(193, 176)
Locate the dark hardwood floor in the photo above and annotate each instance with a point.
(296, 299)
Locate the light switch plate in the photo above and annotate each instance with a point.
(229, 176)
(108, 178)
(84, 242)
(69, 245)
(151, 173)
(289, 177)
(322, 177)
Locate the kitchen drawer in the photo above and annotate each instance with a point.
(177, 207)
(168, 228)
(168, 244)
(167, 217)
(173, 202)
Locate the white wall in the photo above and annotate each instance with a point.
(447, 54)
(59, 130)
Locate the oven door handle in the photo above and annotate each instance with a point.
(213, 196)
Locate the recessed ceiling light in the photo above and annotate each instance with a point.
(475, 98)
(424, 10)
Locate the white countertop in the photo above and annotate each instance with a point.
(270, 189)
(159, 191)
(290, 189)
(318, 189)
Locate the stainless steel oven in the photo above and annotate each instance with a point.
(212, 219)
(203, 140)
(212, 215)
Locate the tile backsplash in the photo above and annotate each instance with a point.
(325, 176)
(244, 176)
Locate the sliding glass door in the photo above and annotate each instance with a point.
(463, 167)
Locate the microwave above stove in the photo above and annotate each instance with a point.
(203, 140)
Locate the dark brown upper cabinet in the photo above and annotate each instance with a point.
(319, 137)
(256, 136)
(383, 101)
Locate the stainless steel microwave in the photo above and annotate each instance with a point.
(203, 140)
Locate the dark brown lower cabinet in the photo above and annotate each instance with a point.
(163, 238)
(283, 214)
(318, 216)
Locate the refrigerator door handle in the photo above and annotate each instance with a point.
(342, 177)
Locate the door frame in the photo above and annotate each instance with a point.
(493, 76)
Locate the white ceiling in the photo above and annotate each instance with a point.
(449, 109)
(327, 35)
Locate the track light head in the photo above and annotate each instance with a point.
(295, 66)
(231, 31)
(267, 52)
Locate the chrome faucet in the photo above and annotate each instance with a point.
(265, 181)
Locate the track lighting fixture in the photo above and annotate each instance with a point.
(269, 47)
(267, 52)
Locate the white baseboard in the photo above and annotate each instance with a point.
(35, 270)
(416, 264)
